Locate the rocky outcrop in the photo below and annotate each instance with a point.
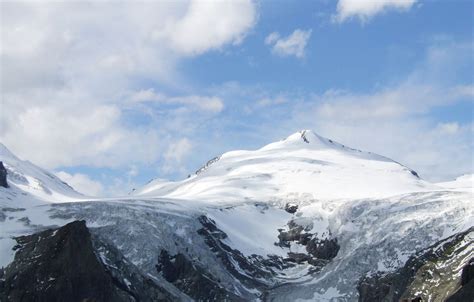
(192, 279)
(377, 288)
(430, 275)
(207, 165)
(318, 251)
(466, 291)
(467, 275)
(58, 265)
(234, 261)
(61, 265)
(3, 176)
(291, 208)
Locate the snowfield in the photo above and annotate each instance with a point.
(302, 164)
(378, 211)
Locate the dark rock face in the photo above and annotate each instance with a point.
(3, 176)
(126, 276)
(191, 279)
(466, 292)
(402, 283)
(58, 266)
(467, 274)
(207, 165)
(325, 249)
(376, 288)
(319, 252)
(259, 269)
(61, 265)
(294, 233)
(303, 137)
(291, 208)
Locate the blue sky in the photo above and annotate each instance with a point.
(111, 95)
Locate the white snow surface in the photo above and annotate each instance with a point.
(462, 183)
(36, 181)
(240, 223)
(302, 164)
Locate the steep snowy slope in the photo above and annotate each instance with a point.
(37, 182)
(29, 186)
(302, 164)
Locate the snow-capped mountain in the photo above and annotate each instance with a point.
(304, 164)
(303, 219)
(28, 178)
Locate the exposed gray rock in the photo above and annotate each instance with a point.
(429, 275)
(207, 165)
(61, 265)
(466, 291)
(3, 176)
(318, 250)
(192, 279)
(58, 265)
(291, 208)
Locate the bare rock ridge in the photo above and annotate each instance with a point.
(429, 275)
(466, 290)
(62, 265)
(3, 176)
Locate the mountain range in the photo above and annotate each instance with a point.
(301, 219)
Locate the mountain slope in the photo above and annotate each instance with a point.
(35, 181)
(304, 164)
(462, 183)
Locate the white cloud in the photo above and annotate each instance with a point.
(395, 123)
(411, 97)
(212, 104)
(366, 9)
(209, 25)
(68, 68)
(133, 171)
(56, 133)
(272, 38)
(464, 91)
(448, 128)
(175, 155)
(178, 150)
(82, 183)
(292, 45)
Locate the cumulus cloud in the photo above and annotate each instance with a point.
(176, 152)
(228, 22)
(364, 10)
(292, 45)
(463, 91)
(82, 183)
(56, 133)
(212, 104)
(68, 69)
(448, 128)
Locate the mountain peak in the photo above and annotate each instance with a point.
(306, 136)
(303, 163)
(304, 139)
